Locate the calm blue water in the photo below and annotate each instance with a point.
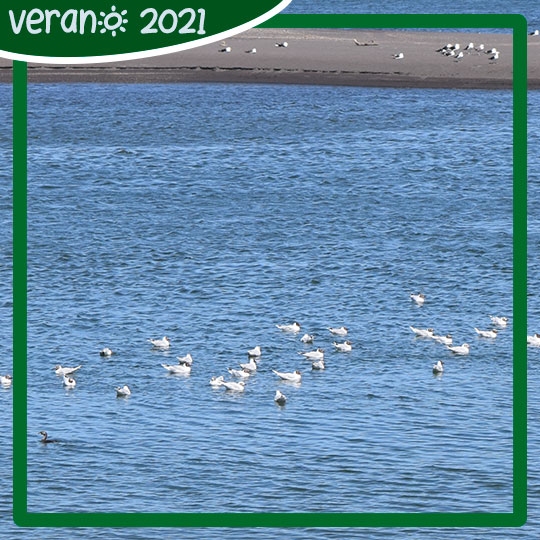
(530, 10)
(209, 213)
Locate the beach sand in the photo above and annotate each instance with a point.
(315, 56)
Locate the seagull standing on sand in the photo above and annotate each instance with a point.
(280, 398)
(294, 327)
(487, 333)
(343, 347)
(535, 33)
(495, 57)
(307, 338)
(225, 50)
(295, 377)
(459, 56)
(460, 349)
(399, 56)
(469, 46)
(283, 44)
(164, 343)
(438, 368)
(252, 51)
(6, 380)
(123, 391)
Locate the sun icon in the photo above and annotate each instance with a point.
(113, 21)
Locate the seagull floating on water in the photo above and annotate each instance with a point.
(186, 360)
(46, 439)
(294, 327)
(418, 298)
(291, 377)
(234, 386)
(105, 352)
(341, 331)
(460, 349)
(164, 343)
(534, 340)
(438, 367)
(6, 380)
(307, 338)
(59, 370)
(314, 355)
(499, 321)
(251, 366)
(318, 364)
(255, 352)
(280, 398)
(343, 347)
(241, 373)
(421, 332)
(124, 391)
(216, 381)
(487, 333)
(445, 340)
(180, 369)
(69, 382)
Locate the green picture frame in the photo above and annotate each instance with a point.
(515, 517)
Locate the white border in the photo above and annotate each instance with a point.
(146, 54)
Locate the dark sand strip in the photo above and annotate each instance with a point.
(315, 56)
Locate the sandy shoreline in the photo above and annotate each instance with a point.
(315, 56)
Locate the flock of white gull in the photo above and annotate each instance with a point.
(247, 369)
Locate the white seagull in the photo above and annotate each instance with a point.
(469, 46)
(255, 352)
(341, 331)
(535, 33)
(438, 367)
(445, 340)
(164, 343)
(343, 347)
(216, 381)
(487, 333)
(59, 370)
(6, 380)
(105, 352)
(399, 56)
(290, 377)
(280, 398)
(294, 327)
(499, 321)
(225, 50)
(252, 51)
(241, 373)
(180, 369)
(421, 332)
(307, 338)
(459, 349)
(314, 355)
(495, 56)
(418, 298)
(186, 360)
(123, 391)
(318, 364)
(534, 340)
(480, 47)
(492, 51)
(283, 44)
(234, 386)
(69, 382)
(459, 56)
(251, 366)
